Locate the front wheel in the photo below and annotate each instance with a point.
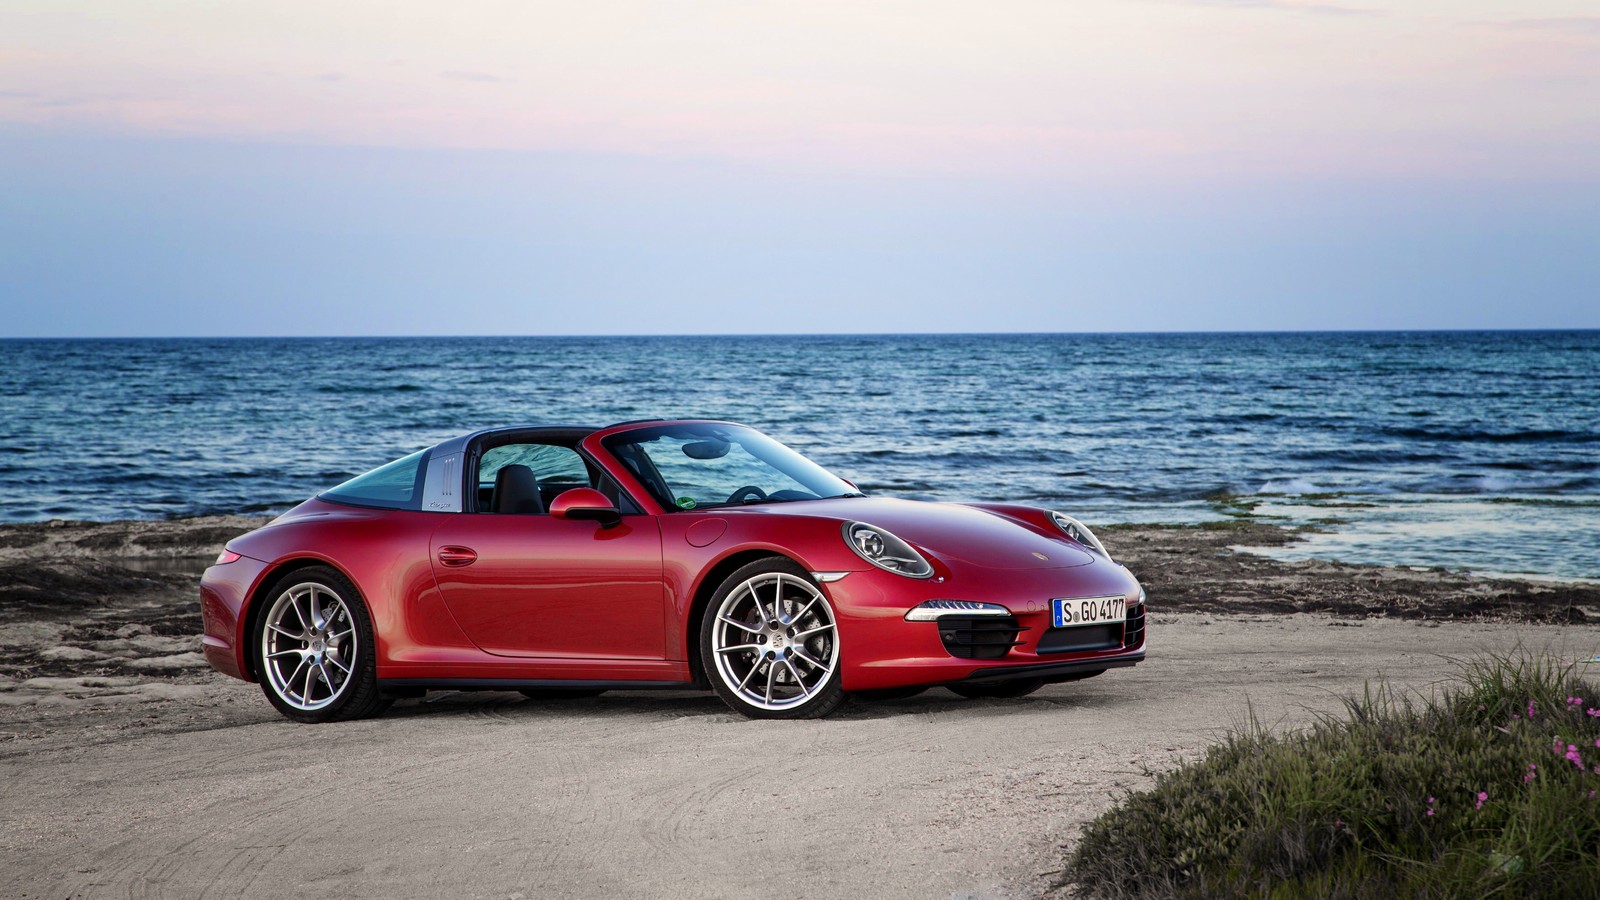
(769, 643)
(314, 649)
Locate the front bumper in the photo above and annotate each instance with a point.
(886, 651)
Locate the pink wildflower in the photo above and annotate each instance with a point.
(1483, 796)
(1533, 770)
(1594, 712)
(1530, 709)
(1575, 701)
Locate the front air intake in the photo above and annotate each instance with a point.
(1133, 633)
(979, 637)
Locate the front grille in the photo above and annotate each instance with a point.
(1084, 638)
(1134, 633)
(979, 637)
(1080, 638)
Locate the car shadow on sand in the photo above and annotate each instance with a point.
(509, 705)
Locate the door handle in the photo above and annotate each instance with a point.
(457, 556)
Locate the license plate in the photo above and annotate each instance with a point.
(1095, 611)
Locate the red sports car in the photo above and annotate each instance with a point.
(564, 561)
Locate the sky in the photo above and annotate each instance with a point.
(485, 167)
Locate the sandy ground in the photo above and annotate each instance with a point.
(130, 770)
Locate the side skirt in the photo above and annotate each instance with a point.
(406, 686)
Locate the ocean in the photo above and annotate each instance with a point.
(1469, 450)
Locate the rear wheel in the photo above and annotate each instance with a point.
(769, 643)
(313, 649)
(999, 690)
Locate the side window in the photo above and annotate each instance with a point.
(557, 468)
(396, 485)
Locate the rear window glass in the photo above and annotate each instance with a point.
(397, 485)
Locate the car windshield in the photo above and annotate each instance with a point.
(708, 465)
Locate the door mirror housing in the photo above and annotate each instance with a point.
(586, 503)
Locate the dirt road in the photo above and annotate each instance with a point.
(208, 794)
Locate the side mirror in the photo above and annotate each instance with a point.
(586, 503)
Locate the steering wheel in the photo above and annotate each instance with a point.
(747, 492)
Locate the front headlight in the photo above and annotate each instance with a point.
(885, 551)
(1079, 532)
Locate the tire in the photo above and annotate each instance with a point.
(313, 649)
(998, 690)
(560, 693)
(769, 643)
(882, 694)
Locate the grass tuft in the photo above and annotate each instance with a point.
(1486, 788)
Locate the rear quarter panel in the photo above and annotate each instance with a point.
(383, 552)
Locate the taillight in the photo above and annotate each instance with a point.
(225, 557)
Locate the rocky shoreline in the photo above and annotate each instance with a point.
(117, 600)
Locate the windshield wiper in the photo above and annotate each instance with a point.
(844, 495)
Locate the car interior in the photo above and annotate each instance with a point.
(525, 477)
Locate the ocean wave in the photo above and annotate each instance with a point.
(1359, 456)
(1291, 486)
(1540, 436)
(358, 389)
(1499, 485)
(1543, 465)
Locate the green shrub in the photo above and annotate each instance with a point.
(1488, 788)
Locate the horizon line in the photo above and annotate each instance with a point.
(794, 334)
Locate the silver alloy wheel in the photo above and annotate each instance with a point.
(774, 641)
(308, 646)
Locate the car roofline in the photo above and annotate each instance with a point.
(460, 443)
(577, 433)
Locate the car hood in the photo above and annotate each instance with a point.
(950, 530)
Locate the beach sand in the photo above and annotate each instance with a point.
(132, 768)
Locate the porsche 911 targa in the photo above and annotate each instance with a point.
(563, 561)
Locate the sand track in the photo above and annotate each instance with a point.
(130, 770)
(639, 794)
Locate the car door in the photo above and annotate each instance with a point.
(530, 585)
